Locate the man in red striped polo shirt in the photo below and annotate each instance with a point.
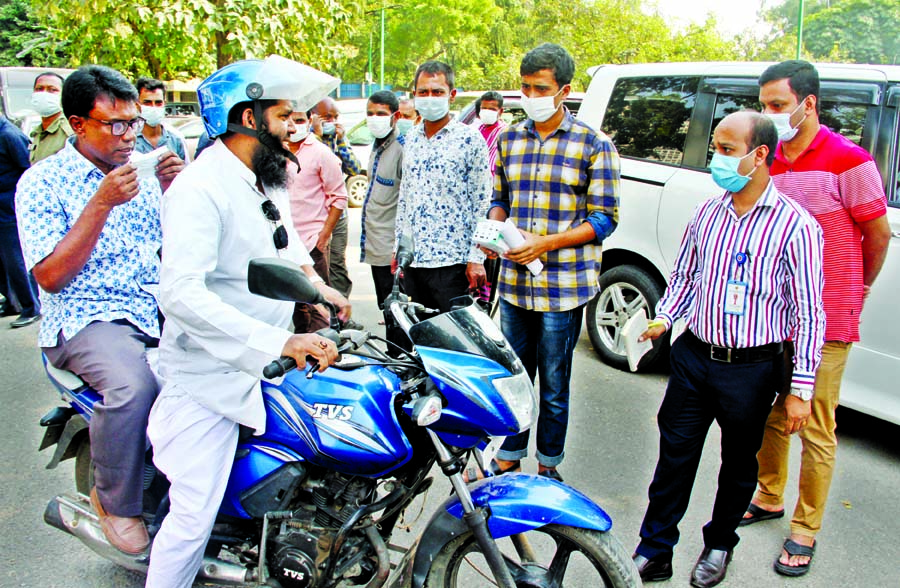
(839, 184)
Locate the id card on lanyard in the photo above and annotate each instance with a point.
(736, 291)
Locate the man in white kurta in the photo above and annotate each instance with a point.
(218, 336)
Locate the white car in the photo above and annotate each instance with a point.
(661, 117)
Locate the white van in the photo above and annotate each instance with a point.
(661, 118)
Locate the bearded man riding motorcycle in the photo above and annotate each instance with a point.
(226, 208)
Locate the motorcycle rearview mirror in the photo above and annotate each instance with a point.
(280, 279)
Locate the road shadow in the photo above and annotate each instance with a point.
(873, 432)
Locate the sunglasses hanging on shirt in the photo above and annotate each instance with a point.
(280, 236)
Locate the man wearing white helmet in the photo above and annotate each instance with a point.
(225, 209)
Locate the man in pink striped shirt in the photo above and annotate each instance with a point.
(488, 109)
(748, 276)
(839, 184)
(318, 198)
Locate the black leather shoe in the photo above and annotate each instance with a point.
(710, 567)
(655, 569)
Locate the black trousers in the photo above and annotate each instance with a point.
(435, 287)
(739, 398)
(384, 283)
(306, 317)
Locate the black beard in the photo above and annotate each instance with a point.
(270, 166)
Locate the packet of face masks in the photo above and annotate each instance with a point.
(146, 162)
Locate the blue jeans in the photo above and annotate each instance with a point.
(545, 342)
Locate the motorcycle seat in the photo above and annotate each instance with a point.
(70, 381)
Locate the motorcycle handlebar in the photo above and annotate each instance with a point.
(279, 367)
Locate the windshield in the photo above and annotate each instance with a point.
(467, 329)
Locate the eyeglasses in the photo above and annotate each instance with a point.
(280, 236)
(120, 127)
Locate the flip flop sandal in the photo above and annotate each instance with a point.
(757, 515)
(472, 472)
(794, 548)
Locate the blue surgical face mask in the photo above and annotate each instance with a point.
(403, 125)
(433, 108)
(329, 128)
(725, 173)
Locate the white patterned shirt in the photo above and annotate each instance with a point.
(445, 191)
(123, 269)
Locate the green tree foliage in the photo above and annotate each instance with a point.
(22, 39)
(860, 31)
(185, 38)
(485, 40)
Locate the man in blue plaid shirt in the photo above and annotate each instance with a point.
(558, 181)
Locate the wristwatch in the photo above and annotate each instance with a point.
(804, 395)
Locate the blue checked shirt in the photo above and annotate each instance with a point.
(549, 187)
(121, 277)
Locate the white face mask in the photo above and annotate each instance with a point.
(153, 114)
(541, 108)
(488, 117)
(782, 121)
(45, 103)
(379, 126)
(302, 130)
(433, 108)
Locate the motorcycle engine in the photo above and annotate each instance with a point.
(293, 559)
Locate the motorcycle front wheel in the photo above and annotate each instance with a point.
(548, 557)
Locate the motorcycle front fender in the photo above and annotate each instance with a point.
(514, 503)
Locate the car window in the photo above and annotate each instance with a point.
(648, 118)
(847, 119)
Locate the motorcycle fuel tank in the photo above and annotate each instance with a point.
(342, 420)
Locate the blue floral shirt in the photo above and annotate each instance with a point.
(445, 191)
(121, 277)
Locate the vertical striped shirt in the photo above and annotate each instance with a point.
(776, 249)
(837, 182)
(549, 186)
(490, 134)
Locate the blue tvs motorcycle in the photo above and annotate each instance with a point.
(314, 502)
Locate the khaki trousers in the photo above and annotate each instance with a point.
(819, 446)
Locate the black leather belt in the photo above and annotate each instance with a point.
(734, 355)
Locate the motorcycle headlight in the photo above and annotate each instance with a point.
(518, 392)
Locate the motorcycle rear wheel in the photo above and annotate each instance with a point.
(558, 554)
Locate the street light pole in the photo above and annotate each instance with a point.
(799, 29)
(381, 10)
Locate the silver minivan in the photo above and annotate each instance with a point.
(661, 117)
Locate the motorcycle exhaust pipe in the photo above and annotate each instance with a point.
(75, 516)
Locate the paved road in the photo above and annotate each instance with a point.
(611, 454)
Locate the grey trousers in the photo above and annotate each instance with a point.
(111, 357)
(337, 258)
